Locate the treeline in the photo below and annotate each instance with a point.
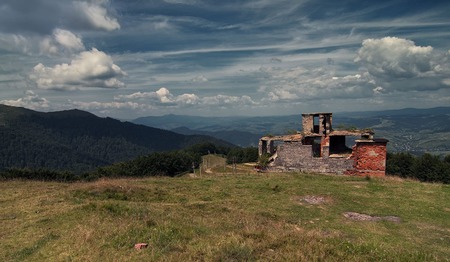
(171, 163)
(426, 168)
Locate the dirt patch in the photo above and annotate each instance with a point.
(315, 200)
(364, 217)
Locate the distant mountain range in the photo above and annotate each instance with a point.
(242, 131)
(80, 141)
(409, 130)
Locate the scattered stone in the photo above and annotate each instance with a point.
(363, 217)
(140, 245)
(314, 200)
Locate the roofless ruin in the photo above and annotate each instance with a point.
(319, 148)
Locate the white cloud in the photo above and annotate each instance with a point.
(97, 15)
(29, 100)
(47, 46)
(68, 40)
(188, 99)
(59, 42)
(395, 57)
(164, 97)
(88, 69)
(398, 64)
(161, 96)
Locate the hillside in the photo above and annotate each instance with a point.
(79, 141)
(255, 125)
(236, 137)
(218, 217)
(409, 130)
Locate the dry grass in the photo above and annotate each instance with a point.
(219, 217)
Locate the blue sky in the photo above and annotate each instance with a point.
(133, 58)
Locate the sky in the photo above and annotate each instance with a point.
(134, 58)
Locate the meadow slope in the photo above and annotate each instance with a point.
(225, 217)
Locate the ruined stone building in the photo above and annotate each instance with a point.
(319, 148)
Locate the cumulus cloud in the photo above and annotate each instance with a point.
(96, 14)
(68, 39)
(398, 64)
(88, 69)
(61, 41)
(395, 57)
(188, 99)
(29, 100)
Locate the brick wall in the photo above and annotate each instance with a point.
(369, 158)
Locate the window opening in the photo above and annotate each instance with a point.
(316, 147)
(316, 124)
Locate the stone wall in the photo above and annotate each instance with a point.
(294, 156)
(308, 123)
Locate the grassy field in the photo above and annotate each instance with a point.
(225, 217)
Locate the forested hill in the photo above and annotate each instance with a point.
(79, 141)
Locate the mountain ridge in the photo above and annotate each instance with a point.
(80, 141)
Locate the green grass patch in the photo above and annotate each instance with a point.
(26, 252)
(225, 217)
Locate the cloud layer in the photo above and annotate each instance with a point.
(134, 58)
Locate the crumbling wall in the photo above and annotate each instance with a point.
(325, 124)
(294, 156)
(308, 123)
(266, 147)
(369, 158)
